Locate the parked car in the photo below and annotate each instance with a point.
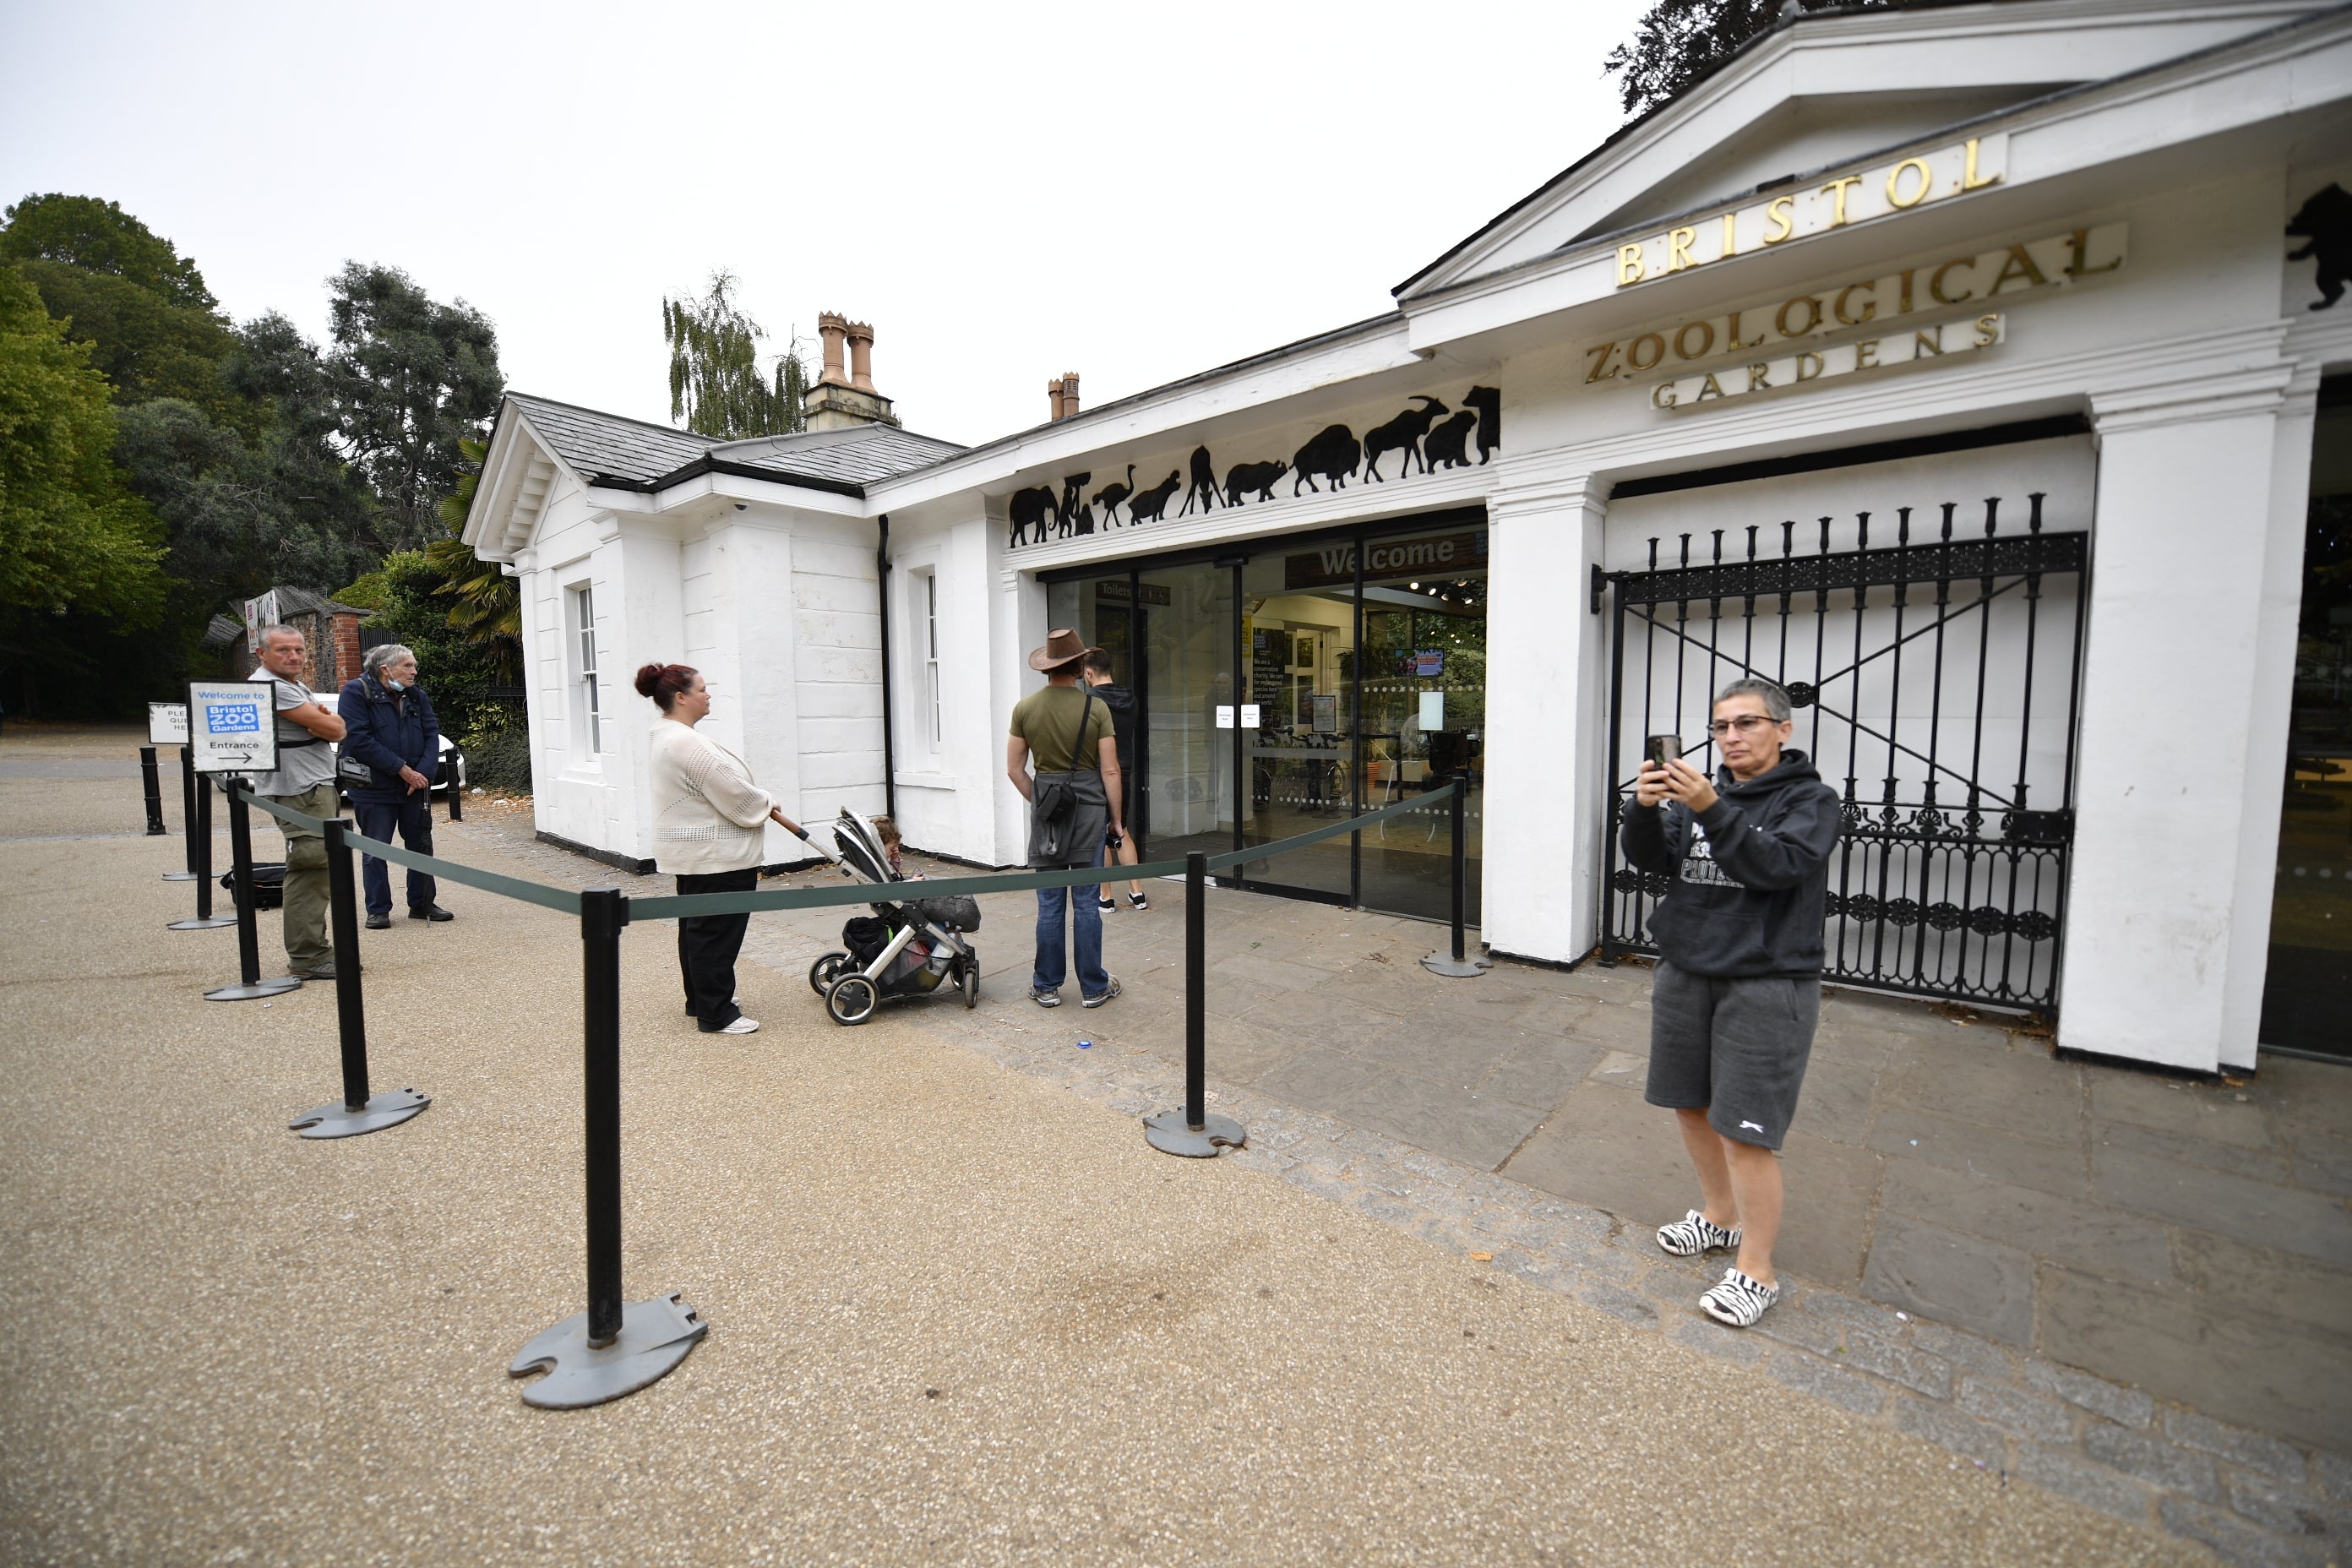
(451, 771)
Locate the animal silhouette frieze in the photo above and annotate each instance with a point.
(1448, 445)
(1401, 433)
(1076, 516)
(1333, 455)
(1203, 488)
(1488, 402)
(2325, 226)
(1249, 479)
(1151, 505)
(1110, 495)
(1031, 509)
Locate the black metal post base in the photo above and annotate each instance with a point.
(1465, 969)
(656, 1335)
(389, 1109)
(1169, 1133)
(203, 922)
(276, 986)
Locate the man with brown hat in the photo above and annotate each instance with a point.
(1074, 810)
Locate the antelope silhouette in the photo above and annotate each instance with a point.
(1401, 433)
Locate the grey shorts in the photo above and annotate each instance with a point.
(1735, 1048)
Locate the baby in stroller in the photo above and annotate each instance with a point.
(906, 947)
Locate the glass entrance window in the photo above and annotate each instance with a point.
(2307, 994)
(1298, 715)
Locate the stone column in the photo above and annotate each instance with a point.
(2168, 777)
(1547, 706)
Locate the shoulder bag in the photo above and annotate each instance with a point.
(1052, 801)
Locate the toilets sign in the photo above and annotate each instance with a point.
(231, 726)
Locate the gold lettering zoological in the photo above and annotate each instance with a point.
(1869, 305)
(1633, 359)
(1707, 340)
(2019, 265)
(2079, 242)
(1936, 282)
(1969, 181)
(1777, 212)
(1604, 365)
(1812, 316)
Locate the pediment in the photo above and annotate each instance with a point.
(1826, 91)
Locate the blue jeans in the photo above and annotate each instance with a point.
(412, 817)
(1092, 981)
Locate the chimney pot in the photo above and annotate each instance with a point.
(1054, 397)
(861, 356)
(832, 328)
(1069, 393)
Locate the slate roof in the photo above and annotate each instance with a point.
(619, 453)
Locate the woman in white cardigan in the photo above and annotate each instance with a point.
(709, 822)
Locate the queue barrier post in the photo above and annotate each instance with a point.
(1191, 1131)
(456, 788)
(155, 829)
(1459, 965)
(250, 986)
(187, 817)
(610, 1350)
(200, 862)
(359, 1111)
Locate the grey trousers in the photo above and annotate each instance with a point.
(307, 943)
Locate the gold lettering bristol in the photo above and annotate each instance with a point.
(1880, 191)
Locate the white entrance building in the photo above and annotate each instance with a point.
(1904, 361)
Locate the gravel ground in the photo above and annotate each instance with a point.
(959, 1316)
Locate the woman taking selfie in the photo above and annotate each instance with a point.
(709, 822)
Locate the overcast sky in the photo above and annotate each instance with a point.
(1007, 192)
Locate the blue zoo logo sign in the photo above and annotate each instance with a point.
(233, 717)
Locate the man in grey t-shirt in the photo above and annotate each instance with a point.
(304, 782)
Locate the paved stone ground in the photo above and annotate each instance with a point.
(1349, 1065)
(2123, 1286)
(959, 1314)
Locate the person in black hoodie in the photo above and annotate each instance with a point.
(1121, 703)
(1738, 986)
(392, 747)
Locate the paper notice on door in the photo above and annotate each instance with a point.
(1249, 715)
(1432, 710)
(1225, 715)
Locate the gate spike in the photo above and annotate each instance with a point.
(1788, 539)
(1718, 547)
(2033, 523)
(1992, 511)
(1751, 540)
(1949, 507)
(1654, 553)
(1901, 525)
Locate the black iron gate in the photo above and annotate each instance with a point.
(1935, 680)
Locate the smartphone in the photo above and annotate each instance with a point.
(1665, 748)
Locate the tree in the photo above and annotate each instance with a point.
(408, 378)
(489, 611)
(716, 385)
(153, 327)
(1679, 43)
(72, 536)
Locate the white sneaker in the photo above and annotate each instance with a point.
(741, 1027)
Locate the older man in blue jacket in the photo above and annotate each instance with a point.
(392, 746)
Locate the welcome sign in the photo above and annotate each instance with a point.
(233, 726)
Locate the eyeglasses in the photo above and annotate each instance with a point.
(1747, 724)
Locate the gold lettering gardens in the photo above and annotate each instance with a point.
(1939, 289)
(1895, 187)
(1911, 346)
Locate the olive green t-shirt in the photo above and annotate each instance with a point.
(1048, 720)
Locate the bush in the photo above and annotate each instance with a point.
(498, 753)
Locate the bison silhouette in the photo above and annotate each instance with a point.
(1334, 454)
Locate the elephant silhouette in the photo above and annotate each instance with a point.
(1203, 488)
(1447, 446)
(1150, 506)
(1333, 454)
(1032, 508)
(1401, 433)
(1110, 495)
(1247, 477)
(1488, 402)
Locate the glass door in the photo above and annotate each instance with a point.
(2307, 994)
(1297, 721)
(1183, 620)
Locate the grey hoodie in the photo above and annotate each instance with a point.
(1749, 873)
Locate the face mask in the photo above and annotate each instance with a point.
(391, 685)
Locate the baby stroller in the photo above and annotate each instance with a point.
(904, 947)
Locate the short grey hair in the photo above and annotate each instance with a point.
(275, 628)
(385, 653)
(1775, 701)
